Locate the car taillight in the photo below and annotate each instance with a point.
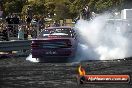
(34, 45)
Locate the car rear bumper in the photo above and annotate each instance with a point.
(40, 53)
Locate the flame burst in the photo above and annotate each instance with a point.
(81, 71)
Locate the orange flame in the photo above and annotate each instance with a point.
(81, 71)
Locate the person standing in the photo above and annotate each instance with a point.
(56, 24)
(15, 19)
(20, 33)
(34, 33)
(16, 22)
(25, 33)
(9, 19)
(5, 34)
(83, 13)
(88, 13)
(28, 21)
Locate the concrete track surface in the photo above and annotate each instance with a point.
(19, 73)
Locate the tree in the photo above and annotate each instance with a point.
(105, 5)
(61, 9)
(13, 6)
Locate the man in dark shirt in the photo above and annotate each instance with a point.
(15, 19)
(9, 20)
(28, 20)
(86, 14)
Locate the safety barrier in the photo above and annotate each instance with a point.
(15, 45)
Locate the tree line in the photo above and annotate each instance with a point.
(62, 9)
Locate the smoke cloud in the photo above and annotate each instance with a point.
(100, 39)
(29, 58)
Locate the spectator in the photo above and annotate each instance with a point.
(25, 33)
(28, 20)
(34, 21)
(41, 22)
(5, 34)
(30, 11)
(20, 33)
(93, 15)
(56, 24)
(34, 33)
(83, 13)
(76, 19)
(86, 14)
(15, 19)
(9, 19)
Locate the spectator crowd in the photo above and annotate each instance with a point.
(14, 27)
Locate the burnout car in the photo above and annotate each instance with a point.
(55, 43)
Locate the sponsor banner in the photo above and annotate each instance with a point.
(85, 78)
(104, 79)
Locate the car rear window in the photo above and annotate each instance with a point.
(64, 32)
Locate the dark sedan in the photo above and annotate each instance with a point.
(55, 42)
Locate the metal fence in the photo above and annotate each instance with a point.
(11, 31)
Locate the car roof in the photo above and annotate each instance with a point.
(59, 27)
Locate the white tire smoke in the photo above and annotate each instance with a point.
(101, 39)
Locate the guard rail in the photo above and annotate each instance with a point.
(15, 45)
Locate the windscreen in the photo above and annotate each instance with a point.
(62, 32)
